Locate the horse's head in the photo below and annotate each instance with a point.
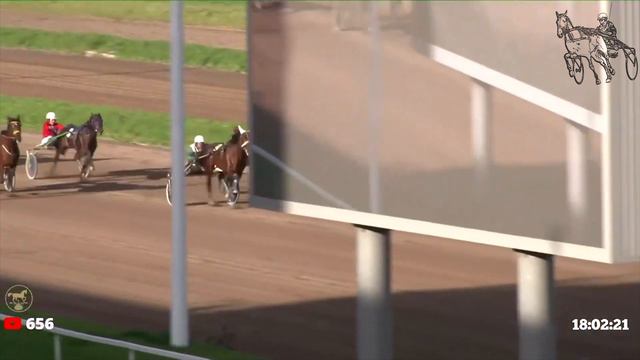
(563, 23)
(235, 136)
(240, 136)
(14, 127)
(243, 137)
(95, 121)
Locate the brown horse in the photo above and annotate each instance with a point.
(84, 140)
(9, 151)
(229, 162)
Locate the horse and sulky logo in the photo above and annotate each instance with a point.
(597, 45)
(18, 298)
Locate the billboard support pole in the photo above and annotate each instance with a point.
(375, 110)
(577, 173)
(481, 130)
(536, 306)
(179, 320)
(374, 329)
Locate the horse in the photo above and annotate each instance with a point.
(583, 42)
(84, 140)
(22, 296)
(9, 150)
(229, 162)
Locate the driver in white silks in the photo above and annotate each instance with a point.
(196, 148)
(607, 28)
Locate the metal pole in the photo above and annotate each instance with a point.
(57, 348)
(577, 173)
(536, 306)
(481, 131)
(179, 311)
(375, 110)
(374, 315)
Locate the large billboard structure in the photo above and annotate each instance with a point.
(451, 119)
(489, 122)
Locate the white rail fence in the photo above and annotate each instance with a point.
(58, 333)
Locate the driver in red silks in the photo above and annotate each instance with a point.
(50, 128)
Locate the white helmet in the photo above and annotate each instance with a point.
(50, 115)
(603, 16)
(198, 139)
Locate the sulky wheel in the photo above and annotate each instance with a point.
(31, 165)
(578, 70)
(9, 179)
(167, 191)
(631, 63)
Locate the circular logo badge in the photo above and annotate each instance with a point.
(18, 298)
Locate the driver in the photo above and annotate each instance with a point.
(606, 27)
(50, 128)
(196, 148)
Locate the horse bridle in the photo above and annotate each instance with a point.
(15, 122)
(244, 147)
(565, 29)
(7, 150)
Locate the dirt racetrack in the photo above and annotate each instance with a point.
(278, 286)
(145, 30)
(142, 86)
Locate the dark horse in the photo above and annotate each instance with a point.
(229, 162)
(84, 140)
(9, 151)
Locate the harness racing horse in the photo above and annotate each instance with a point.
(10, 152)
(84, 140)
(582, 42)
(229, 161)
(22, 296)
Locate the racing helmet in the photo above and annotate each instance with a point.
(198, 139)
(50, 115)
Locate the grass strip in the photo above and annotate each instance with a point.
(119, 124)
(30, 344)
(142, 50)
(214, 13)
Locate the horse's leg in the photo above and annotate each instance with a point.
(236, 187)
(612, 71)
(593, 69)
(602, 49)
(235, 183)
(75, 146)
(76, 157)
(83, 162)
(93, 145)
(56, 157)
(209, 172)
(568, 60)
(600, 59)
(84, 154)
